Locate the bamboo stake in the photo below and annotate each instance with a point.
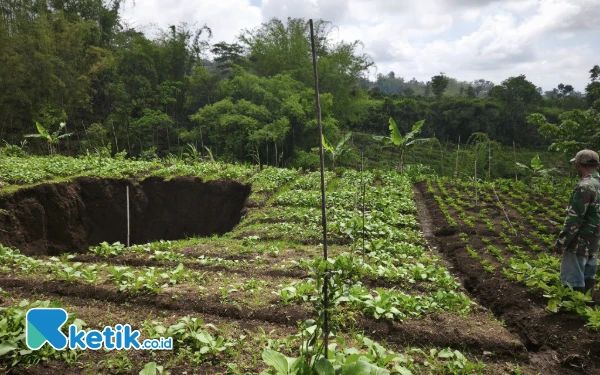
(489, 160)
(128, 222)
(362, 168)
(323, 202)
(503, 210)
(516, 169)
(475, 175)
(442, 151)
(457, 152)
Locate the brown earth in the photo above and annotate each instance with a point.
(556, 343)
(69, 217)
(189, 301)
(475, 334)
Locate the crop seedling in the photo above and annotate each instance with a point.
(107, 250)
(472, 252)
(487, 266)
(118, 364)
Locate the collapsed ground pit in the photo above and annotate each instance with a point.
(56, 218)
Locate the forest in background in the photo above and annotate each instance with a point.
(251, 99)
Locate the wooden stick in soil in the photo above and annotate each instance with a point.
(457, 151)
(128, 223)
(442, 151)
(475, 176)
(503, 210)
(323, 203)
(516, 169)
(489, 160)
(362, 168)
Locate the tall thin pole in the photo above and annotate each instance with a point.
(442, 150)
(475, 176)
(489, 160)
(457, 152)
(516, 170)
(323, 203)
(128, 224)
(362, 182)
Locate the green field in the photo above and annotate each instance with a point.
(403, 297)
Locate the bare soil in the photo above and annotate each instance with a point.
(69, 217)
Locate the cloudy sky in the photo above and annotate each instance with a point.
(550, 41)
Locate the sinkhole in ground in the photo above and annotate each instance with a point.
(55, 218)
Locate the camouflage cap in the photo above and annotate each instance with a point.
(586, 157)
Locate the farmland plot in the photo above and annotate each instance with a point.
(227, 299)
(499, 237)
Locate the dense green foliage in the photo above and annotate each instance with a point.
(252, 99)
(391, 275)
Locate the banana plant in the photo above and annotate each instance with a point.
(537, 168)
(403, 142)
(50, 138)
(337, 151)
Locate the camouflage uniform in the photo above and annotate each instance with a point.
(581, 232)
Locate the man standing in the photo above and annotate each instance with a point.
(580, 238)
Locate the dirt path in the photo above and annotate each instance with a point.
(427, 225)
(423, 216)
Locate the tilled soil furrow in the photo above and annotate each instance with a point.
(285, 315)
(475, 334)
(248, 270)
(557, 343)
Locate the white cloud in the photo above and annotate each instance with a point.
(289, 8)
(226, 18)
(466, 39)
(330, 10)
(506, 43)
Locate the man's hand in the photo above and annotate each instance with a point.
(557, 250)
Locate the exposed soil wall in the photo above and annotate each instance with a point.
(68, 217)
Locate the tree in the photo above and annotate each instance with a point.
(202, 88)
(482, 87)
(595, 73)
(518, 95)
(592, 90)
(274, 132)
(471, 92)
(564, 90)
(578, 130)
(259, 112)
(402, 143)
(428, 89)
(227, 55)
(278, 47)
(518, 90)
(439, 84)
(148, 129)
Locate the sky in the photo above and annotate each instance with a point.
(549, 41)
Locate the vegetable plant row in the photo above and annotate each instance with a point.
(519, 229)
(258, 286)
